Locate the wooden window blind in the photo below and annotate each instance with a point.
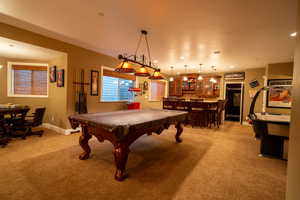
(157, 90)
(116, 89)
(29, 80)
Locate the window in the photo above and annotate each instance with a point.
(27, 80)
(158, 89)
(115, 86)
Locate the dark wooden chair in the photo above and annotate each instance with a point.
(197, 114)
(34, 120)
(220, 110)
(169, 103)
(181, 104)
(4, 139)
(211, 113)
(16, 122)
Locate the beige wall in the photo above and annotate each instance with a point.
(144, 99)
(293, 173)
(57, 104)
(77, 58)
(279, 71)
(251, 74)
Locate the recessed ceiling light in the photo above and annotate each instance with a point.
(293, 34)
(155, 61)
(181, 57)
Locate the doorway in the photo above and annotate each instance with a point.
(234, 105)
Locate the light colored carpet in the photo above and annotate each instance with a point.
(209, 164)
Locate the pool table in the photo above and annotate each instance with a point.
(122, 128)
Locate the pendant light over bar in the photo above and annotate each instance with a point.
(200, 78)
(141, 61)
(185, 78)
(171, 78)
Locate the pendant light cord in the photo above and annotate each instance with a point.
(138, 45)
(148, 49)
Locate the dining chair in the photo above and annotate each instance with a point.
(35, 120)
(181, 104)
(29, 122)
(197, 114)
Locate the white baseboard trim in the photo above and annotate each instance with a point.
(246, 123)
(59, 129)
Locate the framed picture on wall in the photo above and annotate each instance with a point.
(52, 74)
(94, 83)
(61, 78)
(280, 93)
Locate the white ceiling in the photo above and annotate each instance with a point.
(249, 34)
(15, 49)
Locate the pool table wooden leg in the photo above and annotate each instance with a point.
(179, 128)
(121, 155)
(84, 143)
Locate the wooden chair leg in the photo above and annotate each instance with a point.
(4, 141)
(26, 132)
(30, 132)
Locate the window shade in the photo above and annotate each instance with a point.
(116, 89)
(29, 80)
(157, 90)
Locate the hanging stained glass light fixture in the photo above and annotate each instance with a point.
(142, 61)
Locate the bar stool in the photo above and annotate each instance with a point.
(197, 114)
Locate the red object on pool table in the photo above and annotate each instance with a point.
(133, 105)
(134, 90)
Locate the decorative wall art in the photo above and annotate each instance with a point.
(52, 75)
(61, 78)
(94, 83)
(254, 83)
(280, 93)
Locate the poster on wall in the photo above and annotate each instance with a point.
(94, 82)
(52, 74)
(60, 78)
(280, 93)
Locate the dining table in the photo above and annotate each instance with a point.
(11, 116)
